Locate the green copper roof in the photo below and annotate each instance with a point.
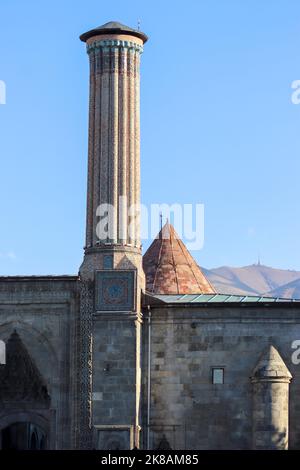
(215, 298)
(113, 27)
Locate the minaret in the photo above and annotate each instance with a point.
(111, 275)
(113, 193)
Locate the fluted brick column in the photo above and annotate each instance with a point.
(114, 136)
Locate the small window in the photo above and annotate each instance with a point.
(217, 375)
(2, 352)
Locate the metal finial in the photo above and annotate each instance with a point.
(139, 25)
(258, 259)
(160, 223)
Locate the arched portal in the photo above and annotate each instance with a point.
(23, 436)
(24, 398)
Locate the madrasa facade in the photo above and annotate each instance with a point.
(140, 351)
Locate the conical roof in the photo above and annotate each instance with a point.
(270, 365)
(113, 27)
(170, 268)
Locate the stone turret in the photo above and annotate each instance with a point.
(270, 379)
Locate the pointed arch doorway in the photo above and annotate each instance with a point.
(24, 400)
(23, 436)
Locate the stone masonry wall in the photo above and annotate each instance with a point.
(186, 408)
(43, 312)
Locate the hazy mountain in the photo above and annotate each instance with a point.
(291, 290)
(255, 279)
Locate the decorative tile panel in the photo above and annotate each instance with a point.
(115, 290)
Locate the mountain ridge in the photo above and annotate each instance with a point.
(255, 279)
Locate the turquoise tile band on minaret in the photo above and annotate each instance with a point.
(114, 44)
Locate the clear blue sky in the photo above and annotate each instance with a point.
(218, 125)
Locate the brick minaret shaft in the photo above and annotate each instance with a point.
(114, 135)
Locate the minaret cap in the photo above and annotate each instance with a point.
(113, 27)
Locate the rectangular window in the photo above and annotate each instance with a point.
(218, 375)
(2, 353)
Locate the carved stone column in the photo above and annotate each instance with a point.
(84, 371)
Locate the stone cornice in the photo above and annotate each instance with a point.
(272, 379)
(118, 316)
(112, 248)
